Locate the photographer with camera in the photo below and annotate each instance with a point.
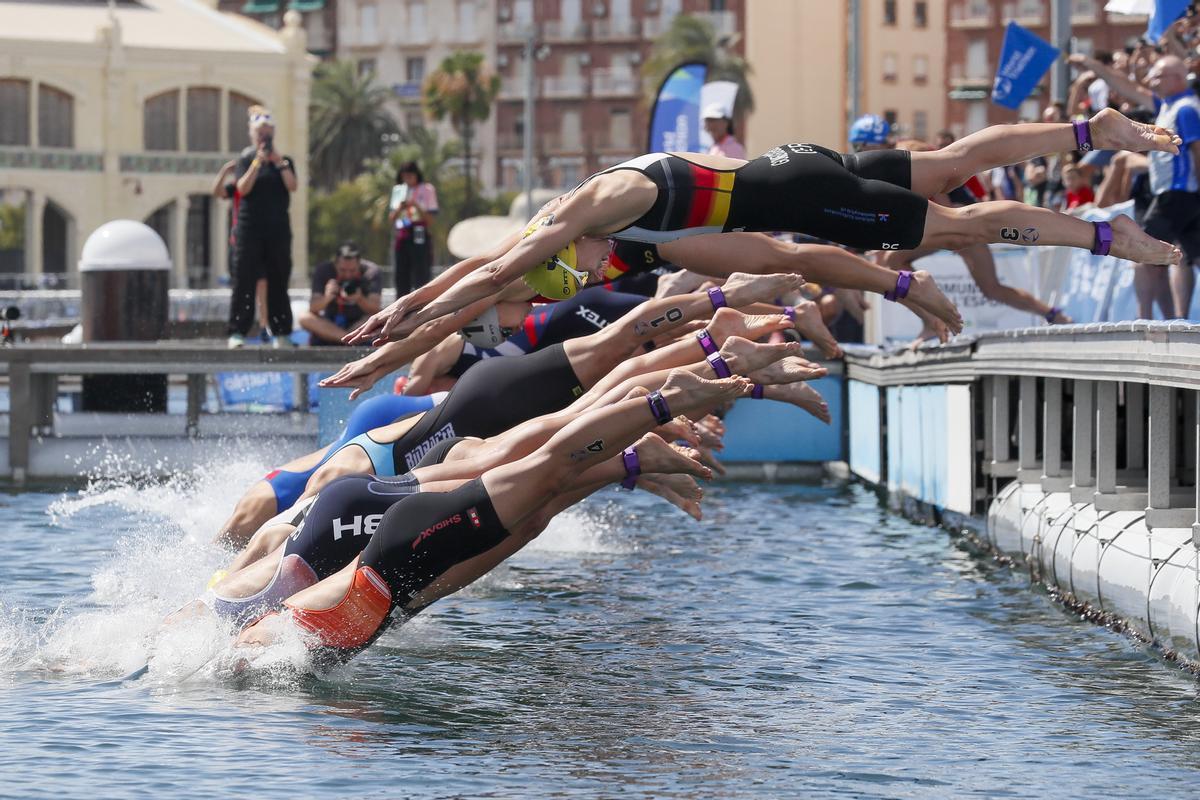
(343, 292)
(263, 233)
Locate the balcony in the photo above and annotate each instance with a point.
(512, 32)
(961, 76)
(564, 86)
(971, 14)
(413, 37)
(617, 29)
(558, 142)
(615, 83)
(1029, 13)
(510, 142)
(654, 26)
(512, 88)
(557, 30)
(613, 141)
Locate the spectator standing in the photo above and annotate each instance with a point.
(1079, 192)
(718, 122)
(225, 188)
(344, 291)
(1174, 212)
(263, 247)
(411, 211)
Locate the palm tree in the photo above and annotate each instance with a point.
(694, 39)
(348, 118)
(463, 90)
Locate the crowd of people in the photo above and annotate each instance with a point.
(601, 345)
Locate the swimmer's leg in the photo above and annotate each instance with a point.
(253, 508)
(1016, 223)
(941, 171)
(264, 541)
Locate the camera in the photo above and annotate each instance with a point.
(350, 287)
(268, 144)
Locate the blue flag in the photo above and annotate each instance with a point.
(1165, 13)
(1024, 59)
(675, 118)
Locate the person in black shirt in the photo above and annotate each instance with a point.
(343, 292)
(263, 243)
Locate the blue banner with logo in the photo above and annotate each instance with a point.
(675, 118)
(1024, 59)
(1165, 13)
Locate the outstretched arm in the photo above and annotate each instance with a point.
(1122, 83)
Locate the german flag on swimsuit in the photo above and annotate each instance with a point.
(691, 199)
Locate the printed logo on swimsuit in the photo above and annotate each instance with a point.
(357, 526)
(417, 453)
(591, 316)
(435, 527)
(473, 515)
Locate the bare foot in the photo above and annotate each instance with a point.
(709, 459)
(731, 322)
(1131, 242)
(679, 429)
(658, 485)
(788, 370)
(260, 633)
(923, 292)
(742, 289)
(713, 423)
(655, 455)
(1112, 130)
(812, 327)
(801, 395)
(938, 332)
(684, 388)
(744, 356)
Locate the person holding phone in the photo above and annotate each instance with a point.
(411, 210)
(265, 180)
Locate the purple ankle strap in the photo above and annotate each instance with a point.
(717, 297)
(1052, 313)
(658, 407)
(1104, 239)
(901, 291)
(633, 468)
(718, 364)
(757, 391)
(706, 342)
(790, 312)
(1083, 136)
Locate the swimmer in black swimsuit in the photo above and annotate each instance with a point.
(869, 201)
(432, 544)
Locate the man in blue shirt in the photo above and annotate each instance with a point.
(1174, 213)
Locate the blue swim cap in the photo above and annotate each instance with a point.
(870, 129)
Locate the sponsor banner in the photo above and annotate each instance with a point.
(1024, 59)
(675, 118)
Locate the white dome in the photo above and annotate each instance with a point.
(124, 244)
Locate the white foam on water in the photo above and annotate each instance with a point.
(580, 530)
(161, 561)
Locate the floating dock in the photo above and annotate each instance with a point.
(1070, 449)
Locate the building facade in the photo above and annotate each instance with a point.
(588, 90)
(129, 114)
(318, 18)
(801, 56)
(975, 34)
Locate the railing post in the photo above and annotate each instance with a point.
(197, 386)
(1106, 437)
(1001, 447)
(1161, 450)
(1052, 428)
(20, 419)
(1083, 432)
(1027, 463)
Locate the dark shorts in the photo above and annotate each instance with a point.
(1175, 217)
(862, 200)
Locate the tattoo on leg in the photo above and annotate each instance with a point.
(591, 450)
(1010, 234)
(671, 315)
(1030, 235)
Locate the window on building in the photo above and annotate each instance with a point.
(56, 117)
(199, 241)
(1030, 9)
(413, 118)
(203, 120)
(1084, 8)
(467, 13)
(366, 66)
(977, 59)
(890, 67)
(977, 117)
(368, 22)
(160, 121)
(414, 69)
(418, 31)
(239, 121)
(889, 12)
(620, 129)
(571, 127)
(160, 223)
(1084, 45)
(14, 112)
(920, 124)
(56, 232)
(717, 5)
(921, 14)
(523, 12)
(920, 70)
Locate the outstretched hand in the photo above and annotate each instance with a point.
(378, 327)
(359, 375)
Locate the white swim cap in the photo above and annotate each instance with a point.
(485, 331)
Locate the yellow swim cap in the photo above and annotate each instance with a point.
(556, 278)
